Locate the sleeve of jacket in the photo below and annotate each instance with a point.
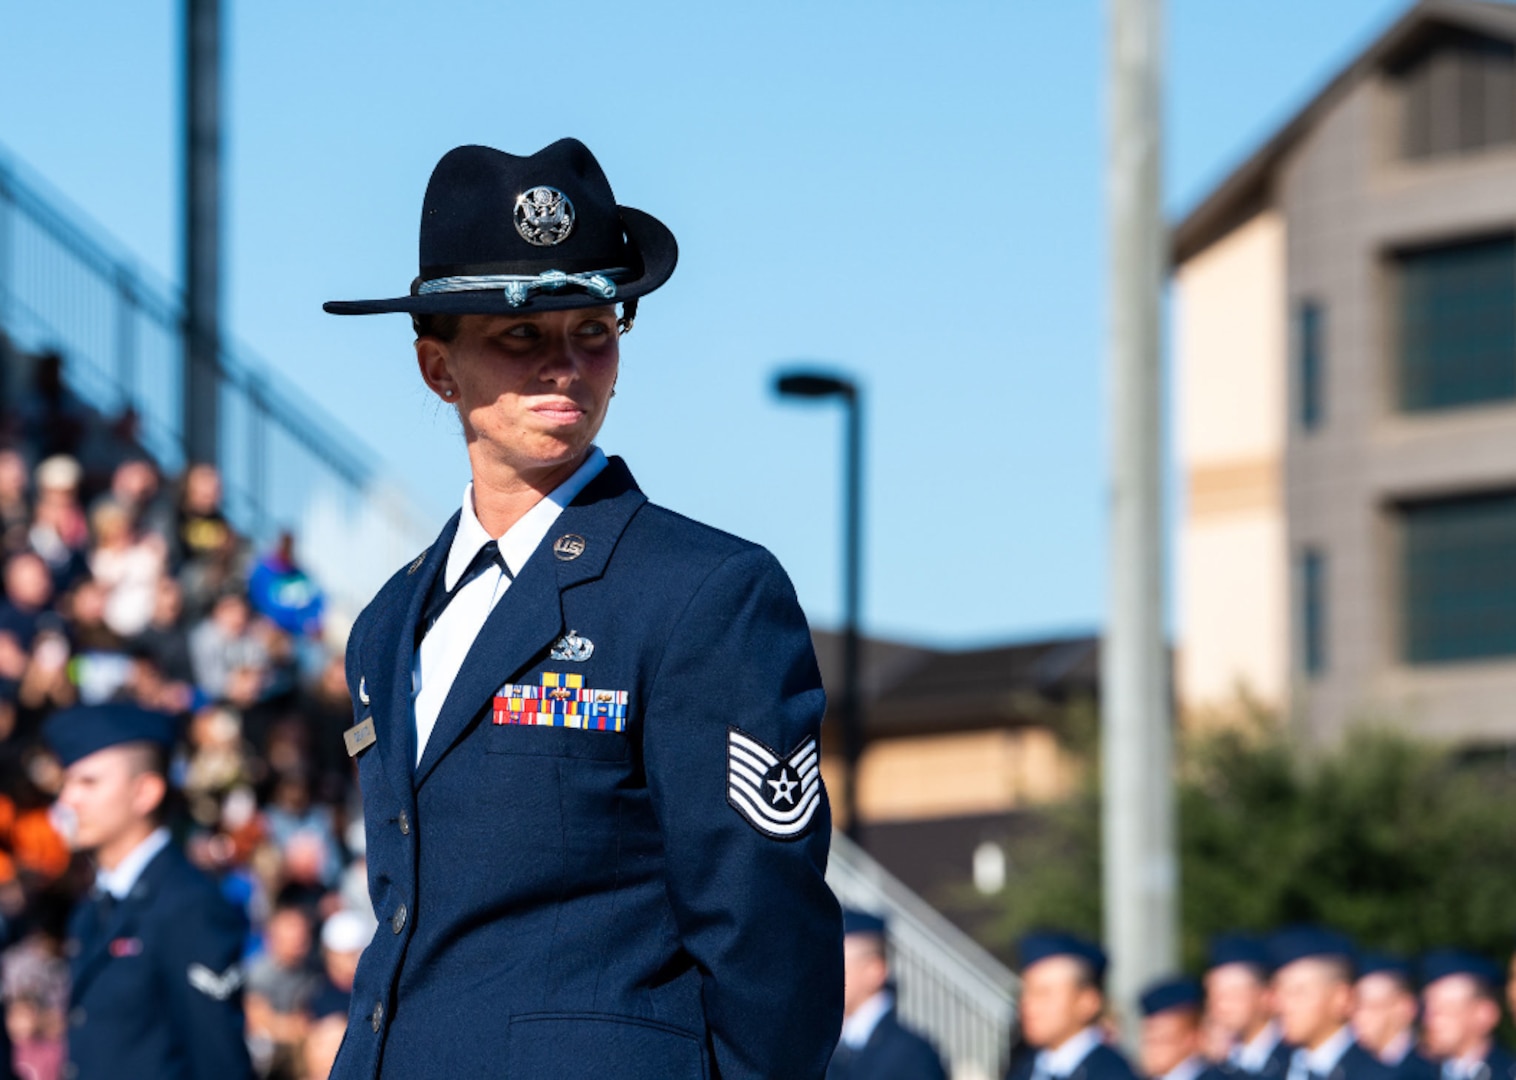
(752, 904)
(202, 975)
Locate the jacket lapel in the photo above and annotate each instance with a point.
(387, 663)
(529, 617)
(95, 949)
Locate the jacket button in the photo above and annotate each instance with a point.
(397, 923)
(76, 1016)
(377, 1017)
(405, 824)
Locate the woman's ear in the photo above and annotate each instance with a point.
(432, 359)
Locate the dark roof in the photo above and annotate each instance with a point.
(910, 689)
(1248, 188)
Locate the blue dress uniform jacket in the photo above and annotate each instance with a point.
(1101, 1063)
(1358, 1064)
(893, 1052)
(574, 903)
(157, 990)
(1276, 1067)
(1500, 1063)
(1416, 1067)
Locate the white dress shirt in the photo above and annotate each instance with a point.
(446, 645)
(1187, 1069)
(859, 1028)
(119, 882)
(1061, 1061)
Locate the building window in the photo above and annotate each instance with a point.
(1313, 613)
(1310, 363)
(1458, 94)
(1457, 333)
(1459, 578)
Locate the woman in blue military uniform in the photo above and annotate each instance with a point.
(587, 729)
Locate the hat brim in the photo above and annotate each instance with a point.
(650, 237)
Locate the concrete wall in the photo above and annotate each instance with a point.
(1230, 347)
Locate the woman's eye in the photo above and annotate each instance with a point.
(522, 330)
(594, 329)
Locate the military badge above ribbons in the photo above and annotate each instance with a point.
(777, 795)
(561, 701)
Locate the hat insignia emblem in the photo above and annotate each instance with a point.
(544, 216)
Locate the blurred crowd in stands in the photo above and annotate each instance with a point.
(122, 583)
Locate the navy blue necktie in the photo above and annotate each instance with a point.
(488, 555)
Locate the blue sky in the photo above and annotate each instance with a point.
(908, 192)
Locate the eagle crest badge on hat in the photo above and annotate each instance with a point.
(544, 216)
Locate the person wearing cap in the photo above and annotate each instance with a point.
(1240, 1001)
(1062, 1004)
(1385, 1008)
(1461, 1012)
(1170, 1047)
(1313, 991)
(587, 729)
(154, 949)
(875, 1045)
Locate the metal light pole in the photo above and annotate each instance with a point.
(202, 227)
(808, 384)
(1140, 866)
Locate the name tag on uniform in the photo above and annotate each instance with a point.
(360, 737)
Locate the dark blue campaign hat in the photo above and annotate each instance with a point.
(503, 234)
(1237, 948)
(1043, 945)
(862, 922)
(1441, 963)
(1179, 992)
(1310, 943)
(76, 733)
(1379, 963)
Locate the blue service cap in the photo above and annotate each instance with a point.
(1310, 943)
(1179, 992)
(1237, 948)
(861, 922)
(1045, 944)
(78, 732)
(1441, 963)
(1386, 964)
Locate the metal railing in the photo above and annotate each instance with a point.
(948, 987)
(286, 463)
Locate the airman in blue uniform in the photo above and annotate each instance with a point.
(1385, 1009)
(1314, 971)
(1239, 1000)
(1461, 1014)
(1062, 1005)
(587, 729)
(155, 949)
(1172, 1009)
(875, 1045)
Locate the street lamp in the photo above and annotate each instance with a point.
(815, 384)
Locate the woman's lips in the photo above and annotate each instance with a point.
(559, 412)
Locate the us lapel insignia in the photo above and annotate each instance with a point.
(572, 647)
(777, 795)
(360, 737)
(561, 701)
(362, 690)
(569, 547)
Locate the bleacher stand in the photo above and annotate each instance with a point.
(122, 584)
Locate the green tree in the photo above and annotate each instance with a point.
(1398, 842)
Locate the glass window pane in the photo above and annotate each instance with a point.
(1457, 315)
(1459, 578)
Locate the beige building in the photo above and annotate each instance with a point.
(1345, 338)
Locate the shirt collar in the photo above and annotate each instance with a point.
(522, 538)
(1253, 1055)
(120, 881)
(1187, 1069)
(1063, 1060)
(859, 1028)
(1325, 1057)
(1398, 1050)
